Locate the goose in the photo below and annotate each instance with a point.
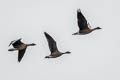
(84, 26)
(53, 47)
(20, 47)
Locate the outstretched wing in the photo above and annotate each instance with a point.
(11, 42)
(51, 43)
(82, 22)
(17, 43)
(21, 54)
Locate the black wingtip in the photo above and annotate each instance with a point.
(46, 34)
(10, 43)
(19, 61)
(20, 39)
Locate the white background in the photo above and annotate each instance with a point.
(95, 56)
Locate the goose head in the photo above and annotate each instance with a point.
(98, 28)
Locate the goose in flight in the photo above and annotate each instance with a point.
(20, 47)
(84, 26)
(53, 47)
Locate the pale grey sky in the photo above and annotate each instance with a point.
(94, 56)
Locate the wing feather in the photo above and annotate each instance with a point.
(21, 54)
(82, 22)
(51, 42)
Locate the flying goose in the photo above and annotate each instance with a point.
(20, 47)
(84, 26)
(53, 47)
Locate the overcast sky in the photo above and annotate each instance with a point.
(95, 56)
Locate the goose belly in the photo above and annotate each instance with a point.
(86, 31)
(56, 54)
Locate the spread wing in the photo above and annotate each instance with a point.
(51, 43)
(21, 54)
(11, 42)
(82, 22)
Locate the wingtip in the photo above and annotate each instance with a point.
(78, 10)
(19, 61)
(46, 33)
(11, 43)
(20, 39)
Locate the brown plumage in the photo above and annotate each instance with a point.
(53, 47)
(83, 25)
(20, 47)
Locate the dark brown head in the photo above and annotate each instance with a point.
(33, 44)
(98, 28)
(67, 52)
